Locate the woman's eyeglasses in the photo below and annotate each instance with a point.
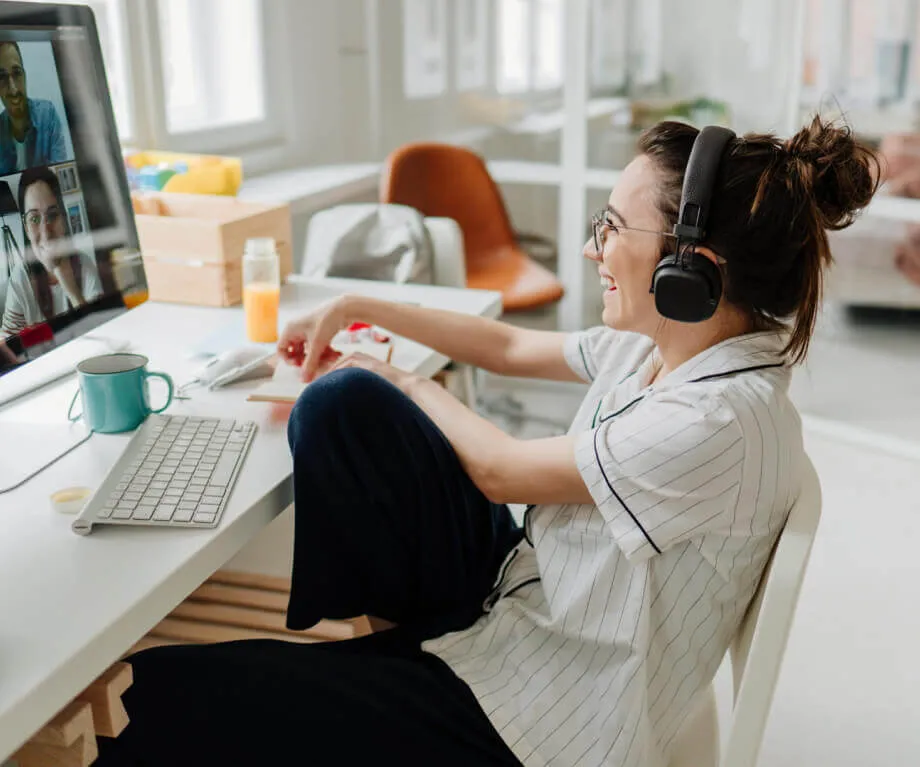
(601, 224)
(34, 218)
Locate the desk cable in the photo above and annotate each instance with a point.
(40, 469)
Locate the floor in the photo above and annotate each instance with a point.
(849, 691)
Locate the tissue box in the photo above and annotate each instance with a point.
(192, 245)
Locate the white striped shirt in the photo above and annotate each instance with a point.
(610, 618)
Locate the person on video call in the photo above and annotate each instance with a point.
(30, 129)
(53, 278)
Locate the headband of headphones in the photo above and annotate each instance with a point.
(699, 182)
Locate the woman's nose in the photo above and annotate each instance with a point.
(589, 251)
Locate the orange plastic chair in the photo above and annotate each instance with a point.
(453, 182)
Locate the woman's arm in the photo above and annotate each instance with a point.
(488, 344)
(505, 469)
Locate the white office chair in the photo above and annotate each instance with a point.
(449, 270)
(757, 651)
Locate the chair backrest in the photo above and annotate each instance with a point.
(757, 650)
(453, 182)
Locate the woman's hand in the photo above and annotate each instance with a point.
(64, 273)
(305, 342)
(402, 380)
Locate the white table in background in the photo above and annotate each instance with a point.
(70, 606)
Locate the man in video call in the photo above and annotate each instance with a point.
(30, 129)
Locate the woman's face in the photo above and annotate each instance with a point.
(628, 258)
(44, 222)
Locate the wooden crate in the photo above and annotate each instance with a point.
(193, 254)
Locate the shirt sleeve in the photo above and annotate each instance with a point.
(14, 314)
(667, 471)
(57, 144)
(585, 350)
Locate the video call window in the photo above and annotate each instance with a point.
(51, 271)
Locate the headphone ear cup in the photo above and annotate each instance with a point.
(687, 287)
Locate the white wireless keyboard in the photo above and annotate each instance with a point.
(177, 471)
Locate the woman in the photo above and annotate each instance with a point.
(53, 278)
(585, 637)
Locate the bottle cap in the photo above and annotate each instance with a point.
(260, 246)
(70, 500)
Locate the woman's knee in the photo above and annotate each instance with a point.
(340, 400)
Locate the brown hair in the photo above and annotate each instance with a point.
(773, 204)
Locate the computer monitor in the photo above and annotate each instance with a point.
(69, 256)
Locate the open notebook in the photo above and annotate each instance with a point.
(285, 385)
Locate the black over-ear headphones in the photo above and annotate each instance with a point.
(686, 284)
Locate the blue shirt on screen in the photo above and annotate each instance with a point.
(44, 141)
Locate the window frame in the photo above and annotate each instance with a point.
(262, 144)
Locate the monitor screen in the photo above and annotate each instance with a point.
(68, 244)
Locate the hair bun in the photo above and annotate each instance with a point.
(837, 173)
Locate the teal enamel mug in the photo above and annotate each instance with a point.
(114, 391)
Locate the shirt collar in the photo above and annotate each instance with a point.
(734, 355)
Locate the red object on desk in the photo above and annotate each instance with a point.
(36, 334)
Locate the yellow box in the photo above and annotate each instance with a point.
(193, 251)
(207, 174)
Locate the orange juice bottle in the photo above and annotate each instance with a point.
(261, 289)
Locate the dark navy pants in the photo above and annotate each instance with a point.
(387, 524)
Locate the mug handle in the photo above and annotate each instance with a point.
(70, 416)
(169, 390)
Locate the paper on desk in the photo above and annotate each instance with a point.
(285, 385)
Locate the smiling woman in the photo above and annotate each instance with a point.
(586, 636)
(52, 278)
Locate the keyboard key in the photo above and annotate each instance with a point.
(196, 487)
(158, 485)
(153, 495)
(183, 475)
(164, 512)
(208, 508)
(191, 497)
(122, 513)
(104, 513)
(187, 505)
(225, 466)
(111, 503)
(143, 512)
(131, 496)
(206, 518)
(183, 515)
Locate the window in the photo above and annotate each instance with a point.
(548, 51)
(195, 75)
(514, 37)
(529, 45)
(424, 48)
(110, 21)
(861, 52)
(471, 26)
(212, 63)
(608, 44)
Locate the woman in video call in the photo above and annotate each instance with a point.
(53, 279)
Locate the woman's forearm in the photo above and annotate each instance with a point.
(484, 343)
(505, 469)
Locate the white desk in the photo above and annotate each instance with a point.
(71, 606)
